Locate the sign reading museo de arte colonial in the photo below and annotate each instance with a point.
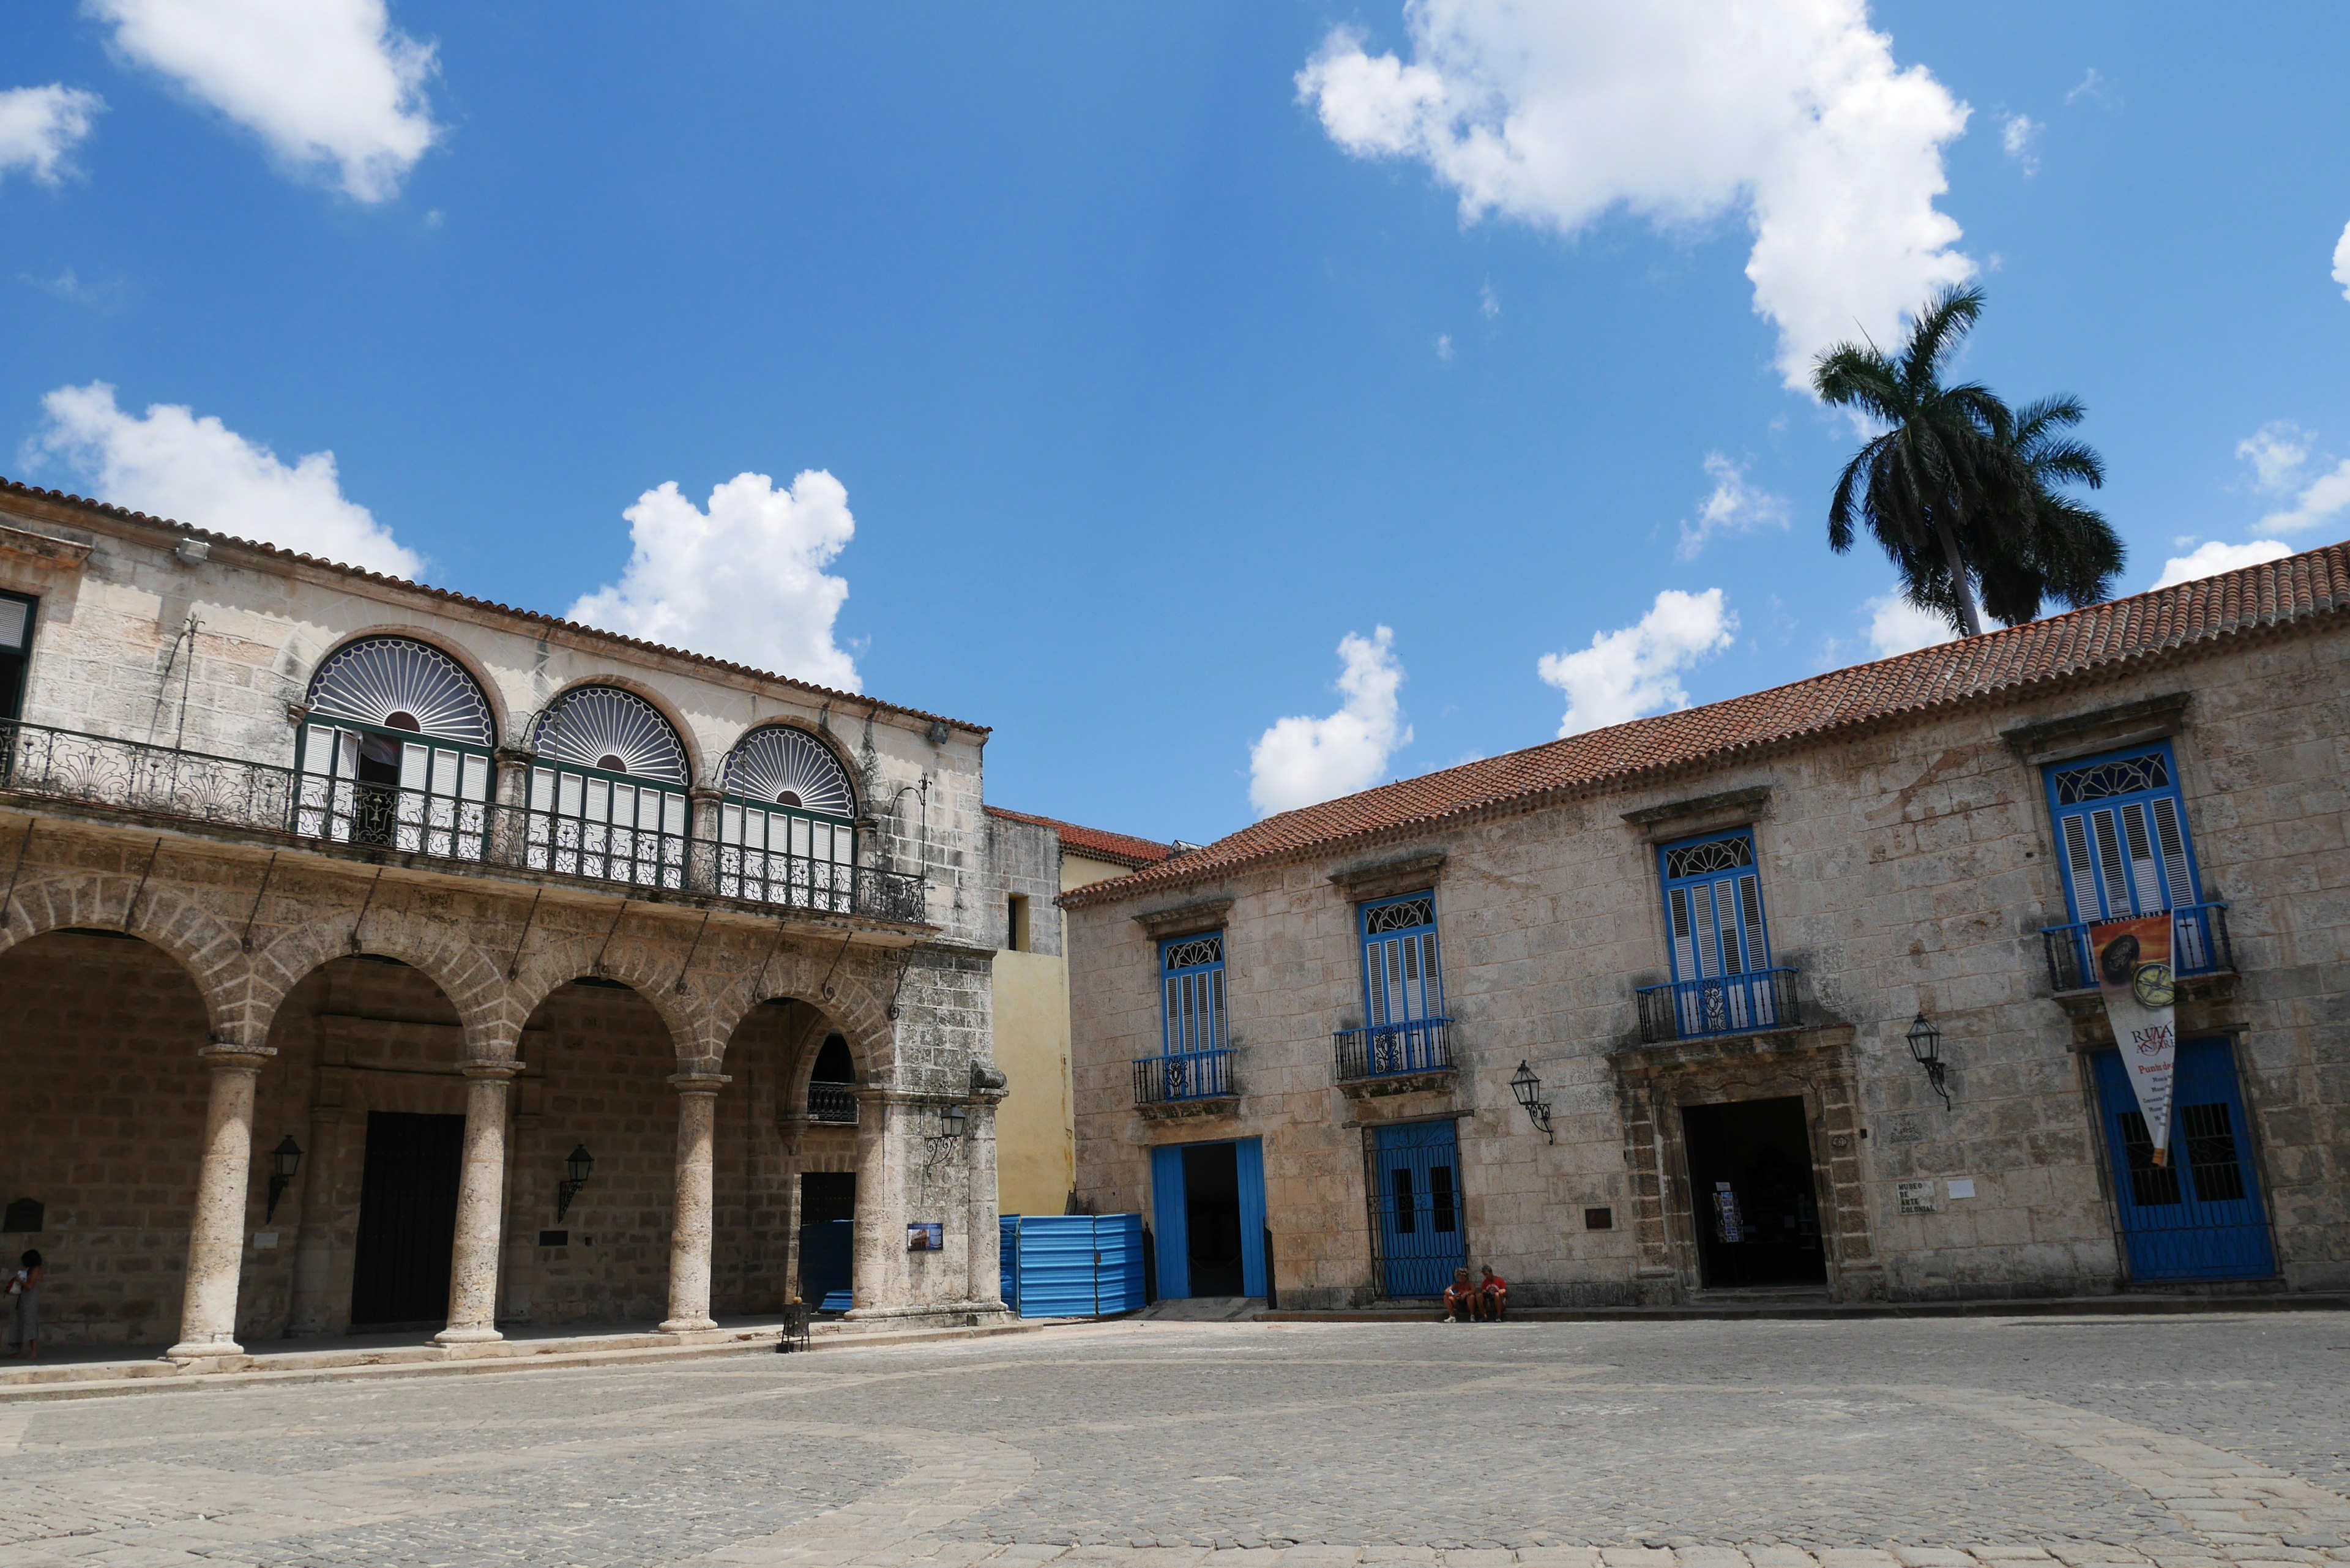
(2133, 960)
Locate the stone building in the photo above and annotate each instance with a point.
(1644, 1013)
(1036, 860)
(374, 955)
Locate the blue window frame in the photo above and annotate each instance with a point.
(1713, 905)
(2121, 832)
(1191, 971)
(1403, 978)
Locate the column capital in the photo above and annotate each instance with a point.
(498, 1068)
(699, 1083)
(233, 1056)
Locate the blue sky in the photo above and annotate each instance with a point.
(1132, 371)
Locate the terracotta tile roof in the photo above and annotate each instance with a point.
(1094, 843)
(2000, 665)
(187, 530)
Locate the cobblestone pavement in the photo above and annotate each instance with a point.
(2188, 1442)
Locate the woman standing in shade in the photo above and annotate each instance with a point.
(24, 1297)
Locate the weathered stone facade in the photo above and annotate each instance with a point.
(185, 981)
(1909, 866)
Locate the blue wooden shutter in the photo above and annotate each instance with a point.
(1192, 978)
(1713, 905)
(1403, 978)
(2121, 832)
(1172, 1239)
(1249, 1156)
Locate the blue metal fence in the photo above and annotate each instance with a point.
(1072, 1265)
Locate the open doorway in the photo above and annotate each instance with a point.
(1211, 1202)
(408, 1217)
(827, 1238)
(1753, 1203)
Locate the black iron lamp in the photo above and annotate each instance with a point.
(952, 1118)
(1925, 1050)
(284, 1161)
(1528, 1089)
(576, 1170)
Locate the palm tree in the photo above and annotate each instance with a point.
(1958, 489)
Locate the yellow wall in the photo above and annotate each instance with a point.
(1035, 1128)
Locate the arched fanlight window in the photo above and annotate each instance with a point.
(608, 782)
(396, 751)
(787, 827)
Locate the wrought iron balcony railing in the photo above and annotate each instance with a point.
(1719, 1004)
(834, 1103)
(152, 781)
(2198, 945)
(1184, 1075)
(1393, 1050)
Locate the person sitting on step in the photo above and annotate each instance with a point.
(1462, 1299)
(1495, 1291)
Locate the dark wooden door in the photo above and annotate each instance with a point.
(408, 1217)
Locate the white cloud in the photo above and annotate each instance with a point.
(2324, 499)
(2276, 452)
(1444, 346)
(2092, 88)
(2342, 261)
(1637, 669)
(1896, 626)
(2218, 557)
(172, 465)
(2015, 134)
(321, 81)
(1791, 112)
(1301, 760)
(1489, 304)
(744, 580)
(1734, 507)
(41, 125)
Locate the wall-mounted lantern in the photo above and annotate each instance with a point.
(951, 1121)
(1925, 1050)
(284, 1161)
(576, 1170)
(1528, 1089)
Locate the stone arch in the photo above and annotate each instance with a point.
(857, 1006)
(468, 977)
(202, 946)
(649, 969)
(501, 717)
(857, 788)
(697, 766)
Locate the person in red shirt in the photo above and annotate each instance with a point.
(1495, 1294)
(1462, 1299)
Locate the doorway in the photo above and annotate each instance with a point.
(1755, 1209)
(828, 1238)
(408, 1217)
(1207, 1199)
(2199, 1217)
(1422, 1238)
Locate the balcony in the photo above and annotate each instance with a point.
(1186, 1083)
(1394, 1058)
(164, 783)
(1748, 1004)
(833, 1105)
(2198, 948)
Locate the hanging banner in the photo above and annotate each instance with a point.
(2134, 975)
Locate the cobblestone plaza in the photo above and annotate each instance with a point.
(1883, 1443)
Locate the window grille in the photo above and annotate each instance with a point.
(395, 751)
(607, 790)
(1192, 970)
(1714, 907)
(786, 831)
(2121, 823)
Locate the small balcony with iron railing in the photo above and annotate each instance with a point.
(832, 1105)
(1758, 1002)
(1393, 1058)
(2200, 949)
(164, 783)
(1186, 1083)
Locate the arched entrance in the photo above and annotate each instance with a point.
(787, 1171)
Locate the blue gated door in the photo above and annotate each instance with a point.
(2199, 1217)
(1170, 1208)
(1417, 1169)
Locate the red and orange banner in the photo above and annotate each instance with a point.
(2133, 960)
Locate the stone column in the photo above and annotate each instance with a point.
(882, 1280)
(314, 1243)
(689, 1245)
(986, 1246)
(527, 1199)
(481, 1195)
(216, 1231)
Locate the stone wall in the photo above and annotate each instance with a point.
(1907, 869)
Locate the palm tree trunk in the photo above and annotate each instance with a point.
(1959, 581)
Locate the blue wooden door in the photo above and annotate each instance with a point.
(1172, 1222)
(1420, 1229)
(1249, 1154)
(2199, 1217)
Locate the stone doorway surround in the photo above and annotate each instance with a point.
(1814, 1065)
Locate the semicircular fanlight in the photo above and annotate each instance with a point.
(617, 732)
(393, 683)
(784, 766)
